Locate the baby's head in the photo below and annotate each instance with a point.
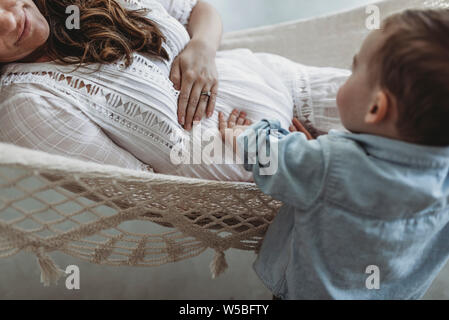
(400, 82)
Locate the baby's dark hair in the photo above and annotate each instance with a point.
(412, 65)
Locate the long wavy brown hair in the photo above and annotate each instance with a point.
(108, 32)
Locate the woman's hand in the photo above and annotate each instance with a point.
(231, 129)
(194, 72)
(298, 127)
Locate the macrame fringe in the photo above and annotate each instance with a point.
(50, 272)
(219, 264)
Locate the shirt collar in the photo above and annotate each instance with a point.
(399, 151)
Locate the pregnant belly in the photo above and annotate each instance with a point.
(247, 84)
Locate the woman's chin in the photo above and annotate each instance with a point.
(35, 53)
(40, 34)
(40, 30)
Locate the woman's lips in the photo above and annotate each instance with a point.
(25, 28)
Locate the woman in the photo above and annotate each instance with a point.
(125, 88)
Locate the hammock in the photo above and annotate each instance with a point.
(51, 203)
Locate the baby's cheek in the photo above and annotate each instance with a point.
(344, 102)
(341, 97)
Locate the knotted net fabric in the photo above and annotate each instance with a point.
(51, 203)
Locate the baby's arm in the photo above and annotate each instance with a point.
(295, 168)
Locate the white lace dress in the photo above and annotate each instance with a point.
(128, 117)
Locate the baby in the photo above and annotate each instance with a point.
(366, 212)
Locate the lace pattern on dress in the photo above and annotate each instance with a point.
(303, 102)
(145, 68)
(107, 103)
(184, 14)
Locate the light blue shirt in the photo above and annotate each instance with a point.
(352, 201)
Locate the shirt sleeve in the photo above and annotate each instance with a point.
(179, 9)
(285, 165)
(51, 124)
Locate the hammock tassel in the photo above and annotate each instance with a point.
(218, 265)
(50, 272)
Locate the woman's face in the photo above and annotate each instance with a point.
(23, 29)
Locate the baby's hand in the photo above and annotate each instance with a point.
(231, 129)
(298, 127)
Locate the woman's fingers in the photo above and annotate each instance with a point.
(186, 88)
(194, 100)
(299, 127)
(175, 74)
(212, 101)
(202, 105)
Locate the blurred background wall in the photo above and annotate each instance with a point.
(241, 14)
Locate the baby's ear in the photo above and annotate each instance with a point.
(379, 109)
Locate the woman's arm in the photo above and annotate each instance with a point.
(205, 25)
(194, 70)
